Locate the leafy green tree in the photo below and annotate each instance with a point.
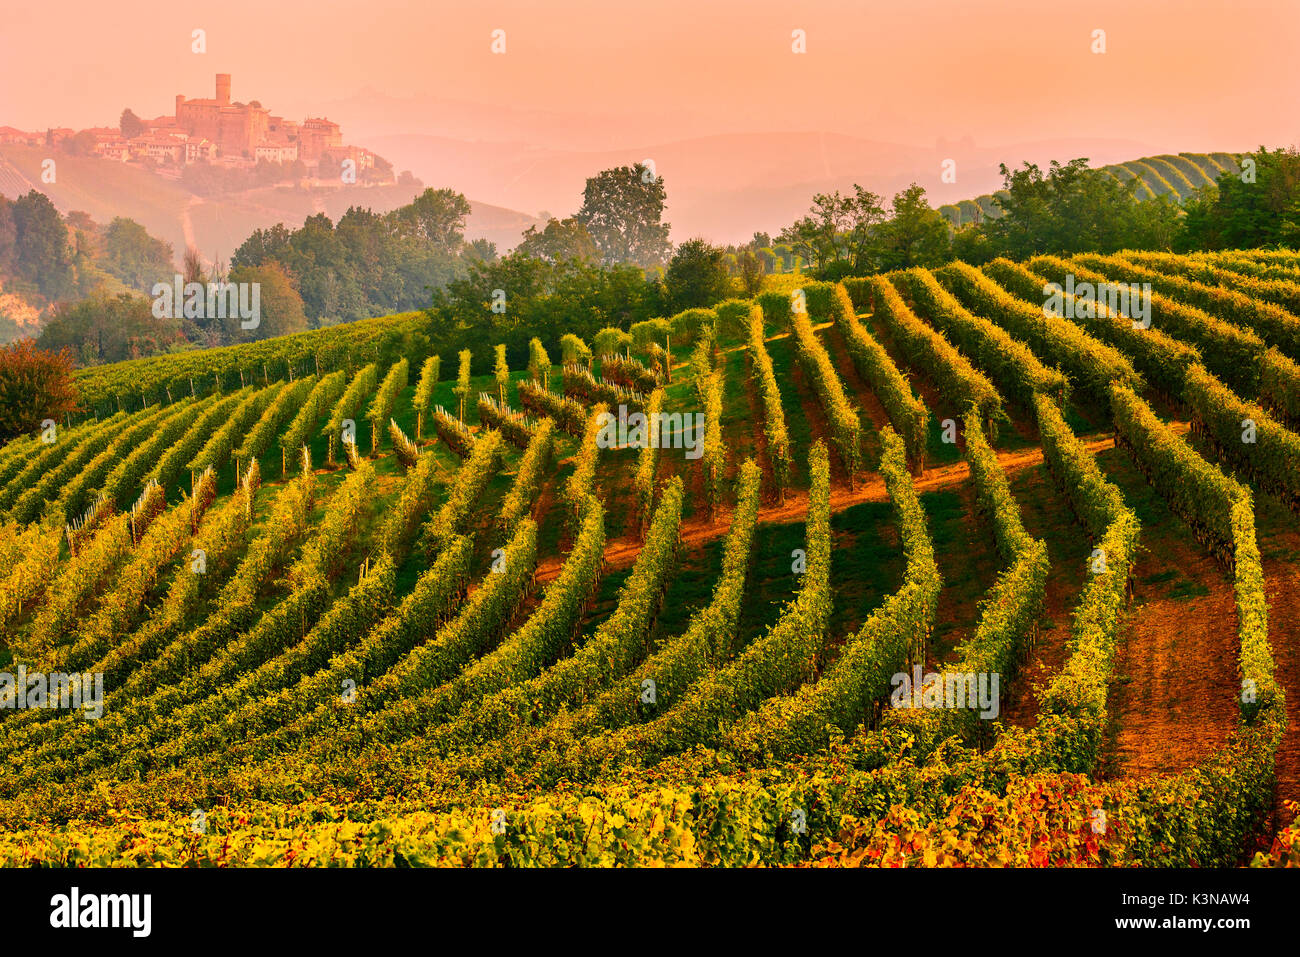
(1153, 224)
(973, 245)
(370, 263)
(838, 228)
(41, 245)
(281, 306)
(8, 236)
(1069, 209)
(866, 213)
(481, 250)
(135, 257)
(915, 235)
(543, 299)
(622, 210)
(697, 275)
(109, 329)
(438, 217)
(561, 239)
(1236, 213)
(264, 244)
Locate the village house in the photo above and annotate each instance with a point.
(16, 137)
(118, 150)
(159, 147)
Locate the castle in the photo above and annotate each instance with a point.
(218, 131)
(249, 130)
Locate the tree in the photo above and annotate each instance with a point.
(972, 245)
(866, 214)
(545, 300)
(192, 266)
(915, 235)
(41, 245)
(135, 257)
(80, 219)
(18, 319)
(8, 236)
(34, 386)
(838, 228)
(1239, 213)
(371, 263)
(80, 144)
(1071, 209)
(622, 210)
(281, 306)
(751, 273)
(561, 239)
(130, 125)
(481, 250)
(1154, 224)
(109, 329)
(263, 245)
(697, 276)
(436, 216)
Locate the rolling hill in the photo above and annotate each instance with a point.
(215, 226)
(1167, 175)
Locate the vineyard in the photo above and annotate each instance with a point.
(698, 593)
(1177, 177)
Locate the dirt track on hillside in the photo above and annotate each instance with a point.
(622, 552)
(1175, 692)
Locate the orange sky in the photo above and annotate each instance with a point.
(1194, 74)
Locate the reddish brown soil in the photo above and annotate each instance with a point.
(1175, 696)
(816, 418)
(1047, 517)
(862, 395)
(971, 555)
(545, 501)
(919, 381)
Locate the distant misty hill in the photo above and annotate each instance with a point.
(216, 226)
(723, 187)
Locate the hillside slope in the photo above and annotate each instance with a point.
(214, 226)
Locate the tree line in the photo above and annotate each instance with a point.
(1065, 209)
(610, 263)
